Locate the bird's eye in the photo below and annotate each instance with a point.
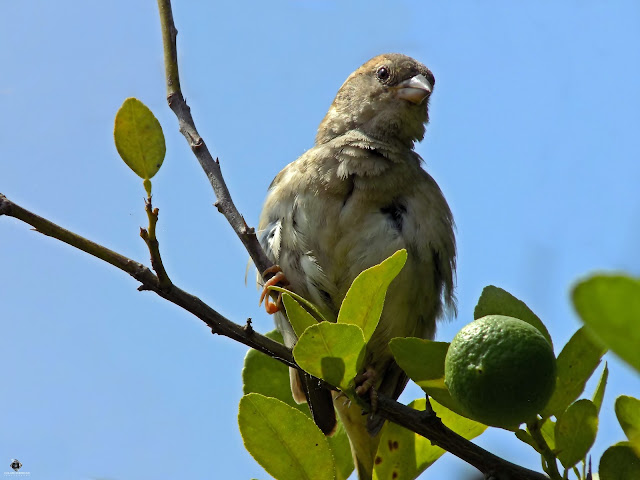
(382, 74)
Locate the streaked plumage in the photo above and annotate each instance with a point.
(351, 201)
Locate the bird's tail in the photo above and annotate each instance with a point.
(363, 445)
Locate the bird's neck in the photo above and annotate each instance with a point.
(364, 156)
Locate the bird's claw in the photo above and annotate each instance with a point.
(347, 400)
(277, 279)
(365, 382)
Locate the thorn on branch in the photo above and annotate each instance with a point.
(428, 409)
(248, 327)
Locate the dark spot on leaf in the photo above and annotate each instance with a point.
(390, 445)
(395, 444)
(394, 475)
(378, 460)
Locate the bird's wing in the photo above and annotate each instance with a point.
(304, 387)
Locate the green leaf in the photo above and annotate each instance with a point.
(341, 451)
(576, 431)
(610, 306)
(598, 395)
(620, 462)
(299, 318)
(548, 433)
(496, 301)
(575, 364)
(262, 374)
(423, 362)
(362, 306)
(284, 441)
(628, 413)
(441, 394)
(139, 138)
(403, 454)
(267, 376)
(331, 351)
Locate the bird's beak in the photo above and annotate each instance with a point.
(414, 89)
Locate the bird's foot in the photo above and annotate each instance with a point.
(278, 279)
(365, 385)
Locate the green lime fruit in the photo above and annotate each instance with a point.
(501, 370)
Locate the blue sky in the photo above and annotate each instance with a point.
(533, 139)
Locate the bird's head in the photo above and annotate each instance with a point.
(386, 98)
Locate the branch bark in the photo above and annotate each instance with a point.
(427, 425)
(210, 166)
(149, 281)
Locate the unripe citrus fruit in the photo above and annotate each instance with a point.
(501, 370)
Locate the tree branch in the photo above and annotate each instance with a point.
(149, 281)
(423, 423)
(210, 166)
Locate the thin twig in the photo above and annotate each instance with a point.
(149, 281)
(210, 166)
(149, 237)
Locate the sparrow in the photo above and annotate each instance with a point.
(359, 195)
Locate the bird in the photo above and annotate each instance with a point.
(346, 204)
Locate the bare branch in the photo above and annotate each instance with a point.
(149, 281)
(210, 166)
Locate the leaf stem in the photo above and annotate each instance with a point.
(548, 457)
